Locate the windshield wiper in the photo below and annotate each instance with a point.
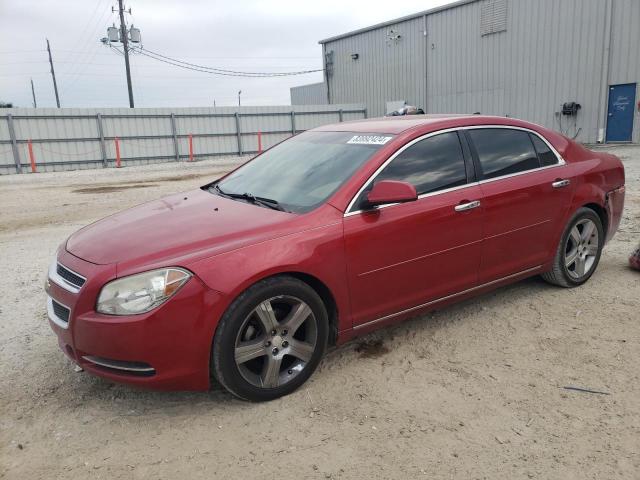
(217, 188)
(265, 202)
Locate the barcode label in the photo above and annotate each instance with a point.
(369, 139)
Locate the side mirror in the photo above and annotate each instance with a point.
(391, 191)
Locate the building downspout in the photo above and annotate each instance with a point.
(426, 64)
(324, 71)
(604, 78)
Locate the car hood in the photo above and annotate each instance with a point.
(177, 226)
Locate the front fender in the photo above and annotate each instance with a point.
(318, 252)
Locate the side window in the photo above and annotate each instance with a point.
(547, 157)
(432, 164)
(503, 151)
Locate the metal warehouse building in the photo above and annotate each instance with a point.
(571, 65)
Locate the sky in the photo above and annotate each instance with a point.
(242, 35)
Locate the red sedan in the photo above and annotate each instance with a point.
(333, 233)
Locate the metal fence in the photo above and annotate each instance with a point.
(67, 139)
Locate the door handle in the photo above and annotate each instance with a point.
(463, 207)
(560, 183)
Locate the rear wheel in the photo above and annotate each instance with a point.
(579, 250)
(270, 340)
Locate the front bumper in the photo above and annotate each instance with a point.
(165, 349)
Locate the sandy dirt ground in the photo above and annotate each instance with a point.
(474, 391)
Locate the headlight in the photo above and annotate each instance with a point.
(142, 292)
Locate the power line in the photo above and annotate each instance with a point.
(240, 57)
(139, 90)
(72, 77)
(22, 74)
(85, 56)
(198, 69)
(214, 70)
(243, 57)
(81, 39)
(116, 50)
(20, 52)
(226, 70)
(89, 62)
(58, 62)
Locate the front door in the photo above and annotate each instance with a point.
(401, 256)
(622, 102)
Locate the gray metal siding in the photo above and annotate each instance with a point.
(625, 56)
(311, 94)
(528, 71)
(385, 70)
(553, 51)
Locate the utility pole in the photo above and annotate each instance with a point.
(124, 38)
(53, 75)
(239, 93)
(33, 93)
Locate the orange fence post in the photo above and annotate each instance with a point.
(259, 141)
(32, 158)
(117, 140)
(190, 147)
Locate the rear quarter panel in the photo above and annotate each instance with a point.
(596, 175)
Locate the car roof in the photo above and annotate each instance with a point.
(399, 124)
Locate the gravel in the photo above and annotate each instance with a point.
(475, 390)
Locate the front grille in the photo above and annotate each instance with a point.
(71, 277)
(61, 311)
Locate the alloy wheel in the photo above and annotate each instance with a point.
(581, 249)
(276, 341)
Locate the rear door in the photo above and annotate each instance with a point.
(526, 192)
(401, 256)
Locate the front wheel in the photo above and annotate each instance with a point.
(270, 340)
(579, 250)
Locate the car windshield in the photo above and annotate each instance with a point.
(301, 173)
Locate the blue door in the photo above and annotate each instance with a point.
(622, 103)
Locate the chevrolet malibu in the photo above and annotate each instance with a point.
(331, 234)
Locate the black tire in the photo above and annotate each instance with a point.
(561, 274)
(243, 314)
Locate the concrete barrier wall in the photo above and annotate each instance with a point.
(70, 138)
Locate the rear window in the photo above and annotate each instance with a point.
(503, 151)
(547, 157)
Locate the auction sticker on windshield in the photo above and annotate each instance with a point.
(369, 139)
